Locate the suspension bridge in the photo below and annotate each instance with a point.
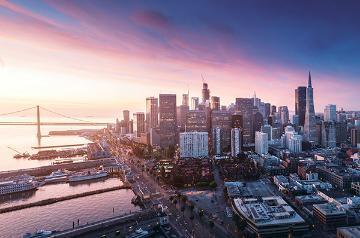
(39, 123)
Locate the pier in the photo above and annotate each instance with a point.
(46, 170)
(56, 146)
(60, 199)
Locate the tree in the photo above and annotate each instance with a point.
(212, 184)
(191, 207)
(175, 202)
(184, 198)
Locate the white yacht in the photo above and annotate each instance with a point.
(56, 177)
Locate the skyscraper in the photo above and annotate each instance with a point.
(139, 121)
(235, 141)
(185, 99)
(310, 121)
(284, 115)
(328, 137)
(205, 93)
(152, 112)
(196, 121)
(245, 107)
(267, 110)
(126, 115)
(330, 113)
(261, 143)
(216, 140)
(215, 103)
(300, 104)
(194, 103)
(222, 120)
(167, 119)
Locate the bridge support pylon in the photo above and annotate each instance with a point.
(38, 122)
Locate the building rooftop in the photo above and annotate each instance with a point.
(267, 211)
(329, 209)
(353, 231)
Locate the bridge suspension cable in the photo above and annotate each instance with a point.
(18, 111)
(69, 117)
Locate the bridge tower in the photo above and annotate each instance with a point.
(38, 122)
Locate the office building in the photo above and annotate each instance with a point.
(295, 120)
(235, 141)
(284, 115)
(222, 120)
(341, 132)
(267, 110)
(310, 121)
(261, 143)
(330, 113)
(194, 145)
(215, 103)
(152, 113)
(236, 121)
(245, 106)
(300, 104)
(328, 134)
(329, 215)
(348, 232)
(205, 93)
(257, 121)
(185, 99)
(268, 130)
(126, 122)
(194, 103)
(167, 119)
(273, 109)
(181, 115)
(295, 143)
(355, 137)
(196, 121)
(139, 121)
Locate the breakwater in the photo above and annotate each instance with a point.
(64, 198)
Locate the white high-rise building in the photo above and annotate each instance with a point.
(216, 139)
(295, 143)
(194, 145)
(268, 130)
(289, 132)
(330, 113)
(235, 141)
(261, 143)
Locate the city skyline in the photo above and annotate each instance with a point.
(59, 54)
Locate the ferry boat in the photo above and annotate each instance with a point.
(39, 234)
(87, 176)
(63, 161)
(56, 177)
(16, 186)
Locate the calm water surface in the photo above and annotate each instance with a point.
(58, 216)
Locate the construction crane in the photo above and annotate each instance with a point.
(19, 154)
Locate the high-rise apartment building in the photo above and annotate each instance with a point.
(236, 121)
(310, 121)
(235, 141)
(355, 136)
(194, 145)
(295, 143)
(300, 104)
(268, 130)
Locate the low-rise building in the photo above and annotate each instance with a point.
(329, 215)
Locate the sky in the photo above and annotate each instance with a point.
(98, 58)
